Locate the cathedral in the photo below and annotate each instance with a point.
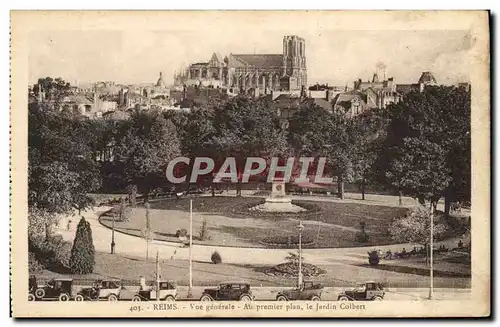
(253, 74)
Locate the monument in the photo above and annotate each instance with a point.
(278, 193)
(278, 201)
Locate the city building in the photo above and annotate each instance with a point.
(253, 74)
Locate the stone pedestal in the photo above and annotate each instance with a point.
(278, 190)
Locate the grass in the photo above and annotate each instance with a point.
(332, 224)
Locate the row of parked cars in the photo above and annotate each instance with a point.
(65, 289)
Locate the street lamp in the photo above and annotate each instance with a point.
(300, 228)
(122, 208)
(431, 270)
(113, 234)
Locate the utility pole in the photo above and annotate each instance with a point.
(157, 278)
(113, 233)
(431, 289)
(190, 291)
(300, 228)
(148, 230)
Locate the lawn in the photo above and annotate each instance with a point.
(330, 224)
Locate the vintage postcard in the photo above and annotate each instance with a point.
(250, 164)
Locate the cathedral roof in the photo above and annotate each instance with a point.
(426, 78)
(258, 60)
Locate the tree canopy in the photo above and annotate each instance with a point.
(426, 153)
(149, 142)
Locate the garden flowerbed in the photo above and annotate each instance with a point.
(311, 210)
(291, 269)
(281, 241)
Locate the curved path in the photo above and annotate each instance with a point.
(134, 246)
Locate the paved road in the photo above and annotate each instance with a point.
(331, 293)
(136, 247)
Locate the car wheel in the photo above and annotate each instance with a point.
(206, 298)
(377, 298)
(315, 298)
(170, 298)
(40, 293)
(281, 298)
(64, 297)
(343, 298)
(31, 297)
(79, 298)
(136, 298)
(245, 298)
(112, 297)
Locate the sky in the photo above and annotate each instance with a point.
(337, 57)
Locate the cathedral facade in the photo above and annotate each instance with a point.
(252, 73)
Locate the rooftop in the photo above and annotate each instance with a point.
(259, 60)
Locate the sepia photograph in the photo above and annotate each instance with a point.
(239, 164)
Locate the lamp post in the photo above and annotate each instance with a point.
(157, 277)
(190, 291)
(431, 243)
(148, 229)
(300, 228)
(113, 234)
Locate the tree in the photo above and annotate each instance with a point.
(240, 127)
(62, 168)
(367, 134)
(426, 153)
(54, 89)
(316, 132)
(148, 143)
(415, 227)
(82, 254)
(245, 127)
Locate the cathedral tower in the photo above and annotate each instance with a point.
(294, 61)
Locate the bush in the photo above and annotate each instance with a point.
(216, 258)
(373, 258)
(61, 250)
(34, 265)
(50, 253)
(181, 233)
(204, 231)
(82, 254)
(293, 258)
(362, 235)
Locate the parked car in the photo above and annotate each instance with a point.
(307, 291)
(168, 292)
(229, 291)
(33, 285)
(369, 291)
(100, 290)
(57, 288)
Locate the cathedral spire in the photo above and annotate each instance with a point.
(160, 80)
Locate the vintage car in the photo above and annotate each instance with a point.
(168, 292)
(308, 291)
(57, 288)
(369, 291)
(33, 285)
(230, 291)
(101, 290)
